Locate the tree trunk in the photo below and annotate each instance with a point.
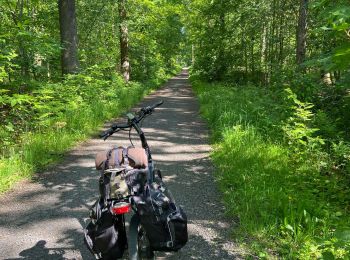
(252, 58)
(124, 41)
(22, 50)
(271, 42)
(282, 26)
(263, 46)
(69, 38)
(301, 32)
(220, 57)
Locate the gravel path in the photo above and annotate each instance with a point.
(43, 219)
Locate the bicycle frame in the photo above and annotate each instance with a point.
(150, 175)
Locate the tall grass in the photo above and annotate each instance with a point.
(285, 207)
(89, 103)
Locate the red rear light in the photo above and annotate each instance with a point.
(121, 208)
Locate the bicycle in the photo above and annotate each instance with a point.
(157, 224)
(138, 244)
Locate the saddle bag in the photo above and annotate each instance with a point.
(115, 165)
(134, 157)
(105, 235)
(165, 223)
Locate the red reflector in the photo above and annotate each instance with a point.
(121, 208)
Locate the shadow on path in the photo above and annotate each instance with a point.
(45, 217)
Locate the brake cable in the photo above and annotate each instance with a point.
(140, 122)
(132, 144)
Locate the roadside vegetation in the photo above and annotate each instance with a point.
(68, 66)
(56, 116)
(273, 80)
(283, 185)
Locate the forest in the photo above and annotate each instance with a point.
(65, 69)
(273, 82)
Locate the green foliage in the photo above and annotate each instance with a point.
(341, 156)
(6, 64)
(278, 181)
(43, 114)
(40, 127)
(281, 152)
(335, 25)
(154, 37)
(30, 39)
(250, 41)
(298, 130)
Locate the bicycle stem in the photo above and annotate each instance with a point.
(150, 177)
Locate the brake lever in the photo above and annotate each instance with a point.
(103, 134)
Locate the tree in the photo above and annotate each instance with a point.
(301, 32)
(124, 41)
(69, 38)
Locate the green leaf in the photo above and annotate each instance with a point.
(13, 102)
(9, 127)
(343, 235)
(338, 214)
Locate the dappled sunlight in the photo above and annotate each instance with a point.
(63, 194)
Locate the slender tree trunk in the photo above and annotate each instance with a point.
(220, 60)
(301, 32)
(266, 51)
(23, 54)
(263, 46)
(69, 38)
(272, 41)
(124, 41)
(252, 68)
(282, 26)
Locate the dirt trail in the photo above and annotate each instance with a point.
(43, 219)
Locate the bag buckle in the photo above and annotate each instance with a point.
(170, 244)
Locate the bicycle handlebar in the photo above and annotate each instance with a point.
(143, 113)
(157, 104)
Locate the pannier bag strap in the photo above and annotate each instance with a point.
(90, 246)
(102, 183)
(116, 160)
(109, 154)
(125, 156)
(171, 236)
(113, 175)
(117, 157)
(168, 244)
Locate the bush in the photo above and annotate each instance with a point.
(279, 180)
(40, 127)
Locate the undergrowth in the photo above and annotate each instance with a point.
(39, 128)
(280, 179)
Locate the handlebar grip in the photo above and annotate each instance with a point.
(157, 104)
(106, 133)
(114, 128)
(124, 126)
(102, 134)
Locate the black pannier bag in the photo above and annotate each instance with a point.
(165, 223)
(136, 180)
(105, 235)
